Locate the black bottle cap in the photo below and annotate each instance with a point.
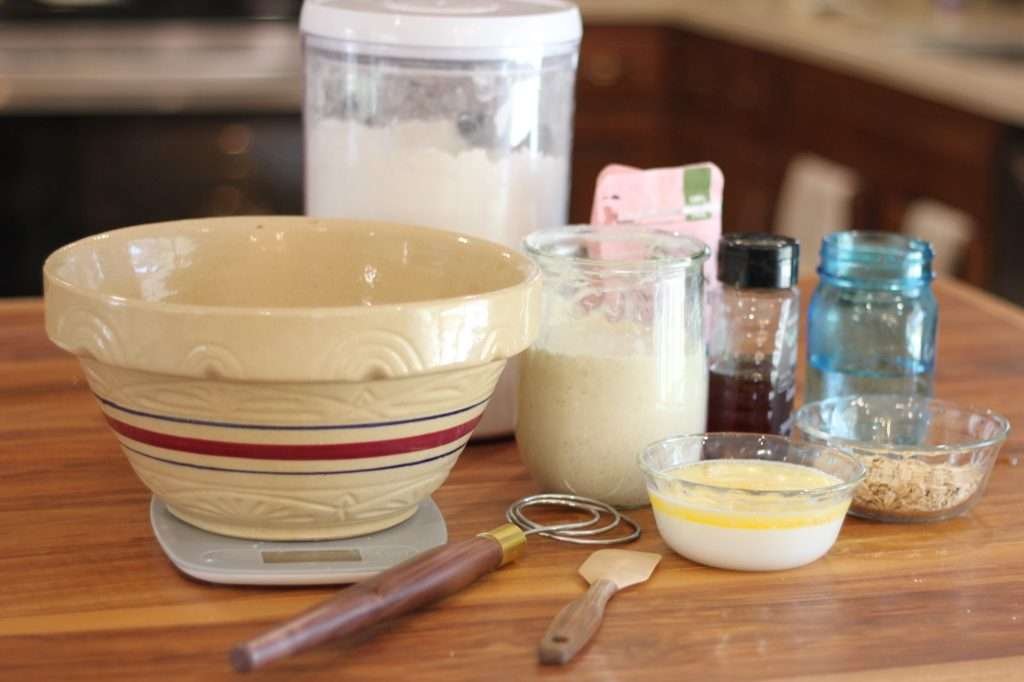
(758, 261)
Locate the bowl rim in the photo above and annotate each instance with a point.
(530, 269)
(902, 451)
(837, 488)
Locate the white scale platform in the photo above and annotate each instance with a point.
(221, 559)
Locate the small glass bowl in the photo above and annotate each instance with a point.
(926, 459)
(742, 529)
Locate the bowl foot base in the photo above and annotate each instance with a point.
(335, 532)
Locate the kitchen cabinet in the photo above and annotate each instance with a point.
(679, 98)
(623, 110)
(647, 95)
(652, 96)
(66, 177)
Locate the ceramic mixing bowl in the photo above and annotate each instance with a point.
(287, 377)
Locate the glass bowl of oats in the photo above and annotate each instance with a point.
(926, 459)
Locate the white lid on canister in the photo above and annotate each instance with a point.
(453, 24)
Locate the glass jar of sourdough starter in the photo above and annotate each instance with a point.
(872, 321)
(620, 361)
(454, 114)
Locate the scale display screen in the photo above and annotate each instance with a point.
(305, 556)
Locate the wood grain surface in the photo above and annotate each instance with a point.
(86, 593)
(416, 582)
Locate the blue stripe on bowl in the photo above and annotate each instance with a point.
(282, 427)
(293, 473)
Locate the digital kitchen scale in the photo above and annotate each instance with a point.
(222, 559)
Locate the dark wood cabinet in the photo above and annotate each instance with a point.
(72, 176)
(655, 96)
(647, 96)
(623, 109)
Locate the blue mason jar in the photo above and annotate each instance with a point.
(872, 321)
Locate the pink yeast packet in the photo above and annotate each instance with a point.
(685, 199)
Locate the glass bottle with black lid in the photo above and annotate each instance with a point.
(753, 341)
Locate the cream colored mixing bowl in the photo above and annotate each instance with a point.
(291, 378)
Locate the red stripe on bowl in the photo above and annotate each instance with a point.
(376, 448)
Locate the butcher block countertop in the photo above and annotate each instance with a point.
(87, 594)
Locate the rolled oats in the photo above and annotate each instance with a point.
(911, 487)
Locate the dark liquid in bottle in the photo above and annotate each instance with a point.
(746, 400)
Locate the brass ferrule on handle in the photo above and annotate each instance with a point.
(512, 540)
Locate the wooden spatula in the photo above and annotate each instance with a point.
(607, 571)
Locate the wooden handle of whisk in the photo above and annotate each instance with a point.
(424, 579)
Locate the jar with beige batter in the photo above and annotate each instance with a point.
(620, 361)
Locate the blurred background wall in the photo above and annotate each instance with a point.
(119, 112)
